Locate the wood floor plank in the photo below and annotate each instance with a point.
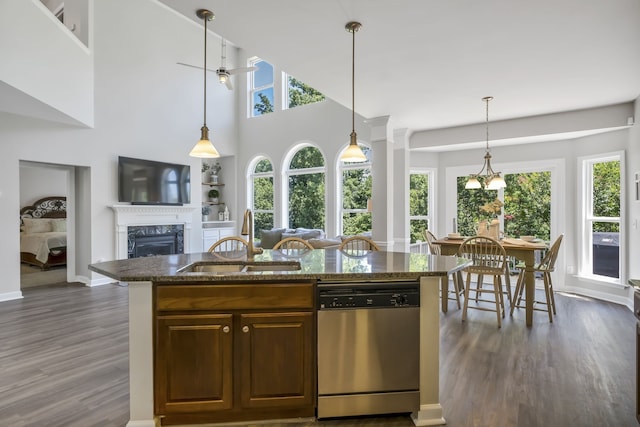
(64, 362)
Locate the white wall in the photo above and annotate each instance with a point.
(146, 106)
(38, 181)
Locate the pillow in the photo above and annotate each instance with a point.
(269, 238)
(37, 225)
(59, 224)
(313, 233)
(325, 243)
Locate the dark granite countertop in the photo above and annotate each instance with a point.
(319, 264)
(635, 283)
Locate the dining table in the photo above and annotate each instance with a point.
(522, 250)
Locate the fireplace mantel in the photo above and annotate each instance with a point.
(131, 215)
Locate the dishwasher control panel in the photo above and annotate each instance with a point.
(343, 296)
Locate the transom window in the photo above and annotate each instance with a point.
(261, 87)
(299, 93)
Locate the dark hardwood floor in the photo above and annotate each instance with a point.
(64, 362)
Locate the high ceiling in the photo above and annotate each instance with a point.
(428, 63)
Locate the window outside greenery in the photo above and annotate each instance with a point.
(261, 88)
(603, 217)
(526, 210)
(300, 93)
(418, 206)
(307, 189)
(356, 191)
(263, 206)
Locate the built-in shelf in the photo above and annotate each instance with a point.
(211, 184)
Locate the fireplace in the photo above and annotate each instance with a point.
(149, 240)
(143, 230)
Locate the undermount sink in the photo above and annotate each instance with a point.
(243, 267)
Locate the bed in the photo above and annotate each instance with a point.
(43, 233)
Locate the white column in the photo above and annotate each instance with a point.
(140, 355)
(430, 413)
(382, 185)
(401, 169)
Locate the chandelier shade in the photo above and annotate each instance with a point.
(353, 152)
(204, 147)
(491, 179)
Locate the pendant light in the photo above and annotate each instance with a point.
(492, 180)
(204, 148)
(353, 153)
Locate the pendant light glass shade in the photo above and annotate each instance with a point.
(353, 153)
(204, 148)
(492, 180)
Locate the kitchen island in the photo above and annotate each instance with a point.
(163, 290)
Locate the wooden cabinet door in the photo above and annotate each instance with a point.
(193, 371)
(276, 360)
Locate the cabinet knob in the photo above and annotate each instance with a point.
(245, 329)
(226, 329)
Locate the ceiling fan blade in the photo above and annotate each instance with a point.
(228, 84)
(242, 70)
(199, 67)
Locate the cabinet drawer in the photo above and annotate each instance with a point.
(234, 296)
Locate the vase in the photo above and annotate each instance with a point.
(482, 228)
(494, 229)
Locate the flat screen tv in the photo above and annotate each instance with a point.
(147, 182)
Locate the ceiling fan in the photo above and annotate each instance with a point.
(224, 75)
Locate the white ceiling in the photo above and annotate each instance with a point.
(428, 63)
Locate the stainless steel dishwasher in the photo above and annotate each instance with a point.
(368, 348)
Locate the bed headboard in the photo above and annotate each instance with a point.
(47, 207)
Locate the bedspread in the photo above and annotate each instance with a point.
(40, 244)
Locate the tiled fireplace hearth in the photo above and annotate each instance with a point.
(143, 230)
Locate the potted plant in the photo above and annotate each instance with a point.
(205, 212)
(213, 195)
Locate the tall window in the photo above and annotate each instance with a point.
(262, 203)
(261, 87)
(419, 205)
(306, 185)
(600, 248)
(356, 195)
(298, 93)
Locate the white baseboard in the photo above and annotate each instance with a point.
(9, 296)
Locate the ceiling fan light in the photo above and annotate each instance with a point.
(472, 183)
(204, 148)
(222, 78)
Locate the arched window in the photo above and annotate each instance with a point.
(261, 193)
(306, 188)
(355, 209)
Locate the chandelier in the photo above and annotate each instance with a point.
(353, 153)
(492, 180)
(204, 148)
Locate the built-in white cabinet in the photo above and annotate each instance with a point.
(212, 231)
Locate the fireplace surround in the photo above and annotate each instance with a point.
(156, 225)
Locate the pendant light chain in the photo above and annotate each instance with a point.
(353, 80)
(206, 18)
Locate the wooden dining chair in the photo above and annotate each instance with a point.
(358, 246)
(435, 249)
(489, 259)
(233, 247)
(293, 246)
(546, 267)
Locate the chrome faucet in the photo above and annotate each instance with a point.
(247, 228)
